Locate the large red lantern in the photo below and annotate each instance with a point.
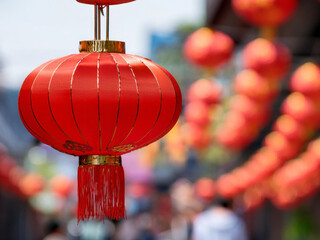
(208, 48)
(271, 59)
(266, 12)
(98, 105)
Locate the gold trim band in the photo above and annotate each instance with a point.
(101, 46)
(110, 160)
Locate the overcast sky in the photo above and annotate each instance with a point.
(35, 31)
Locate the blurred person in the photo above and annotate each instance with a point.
(54, 231)
(137, 227)
(185, 208)
(219, 222)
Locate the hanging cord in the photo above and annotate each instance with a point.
(107, 22)
(98, 10)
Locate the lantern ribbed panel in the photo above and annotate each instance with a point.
(99, 103)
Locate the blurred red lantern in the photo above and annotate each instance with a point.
(139, 190)
(208, 48)
(314, 148)
(205, 188)
(255, 113)
(197, 113)
(251, 84)
(285, 198)
(235, 133)
(253, 198)
(61, 185)
(7, 164)
(226, 186)
(306, 79)
(243, 178)
(266, 12)
(291, 128)
(270, 59)
(206, 91)
(263, 163)
(197, 137)
(301, 108)
(16, 174)
(284, 147)
(233, 140)
(31, 184)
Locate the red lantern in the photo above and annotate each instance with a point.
(291, 128)
(271, 59)
(208, 48)
(301, 108)
(197, 113)
(263, 163)
(314, 148)
(243, 178)
(206, 91)
(197, 137)
(98, 105)
(265, 13)
(205, 188)
(226, 186)
(284, 147)
(61, 185)
(306, 79)
(253, 85)
(31, 184)
(253, 197)
(255, 113)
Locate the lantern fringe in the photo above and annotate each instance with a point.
(101, 192)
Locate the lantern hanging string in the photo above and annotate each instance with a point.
(107, 22)
(95, 22)
(98, 10)
(99, 21)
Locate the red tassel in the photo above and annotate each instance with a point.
(100, 192)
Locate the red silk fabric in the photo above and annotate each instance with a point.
(104, 2)
(99, 103)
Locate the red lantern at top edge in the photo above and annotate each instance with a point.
(265, 13)
(208, 48)
(98, 105)
(270, 59)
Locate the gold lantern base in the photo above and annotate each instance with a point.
(102, 46)
(106, 160)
